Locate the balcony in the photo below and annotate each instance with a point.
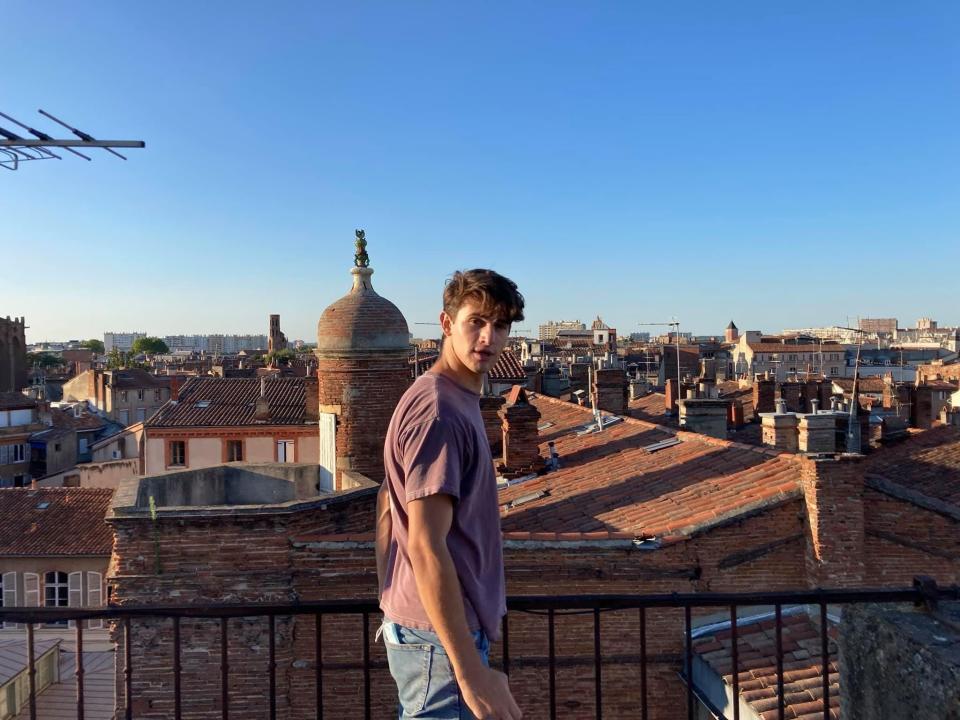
(215, 665)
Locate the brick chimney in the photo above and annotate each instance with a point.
(833, 495)
(735, 414)
(817, 433)
(490, 411)
(311, 411)
(923, 407)
(780, 428)
(764, 395)
(707, 416)
(610, 390)
(261, 410)
(671, 394)
(790, 392)
(175, 383)
(521, 441)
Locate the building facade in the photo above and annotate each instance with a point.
(223, 420)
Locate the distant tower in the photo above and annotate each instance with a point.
(731, 335)
(13, 354)
(363, 350)
(277, 340)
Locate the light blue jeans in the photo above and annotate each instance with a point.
(425, 680)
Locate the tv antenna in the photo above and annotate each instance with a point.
(15, 149)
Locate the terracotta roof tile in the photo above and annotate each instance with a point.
(608, 482)
(72, 523)
(928, 462)
(229, 402)
(507, 369)
(757, 663)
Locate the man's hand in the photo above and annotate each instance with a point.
(488, 696)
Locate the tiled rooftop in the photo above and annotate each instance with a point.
(15, 401)
(757, 665)
(507, 369)
(230, 402)
(54, 522)
(607, 482)
(928, 462)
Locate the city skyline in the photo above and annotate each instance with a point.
(783, 169)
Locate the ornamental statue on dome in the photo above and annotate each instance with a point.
(360, 258)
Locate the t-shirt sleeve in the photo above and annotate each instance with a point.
(431, 460)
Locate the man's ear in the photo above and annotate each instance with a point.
(446, 323)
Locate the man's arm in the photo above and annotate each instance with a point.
(485, 691)
(384, 535)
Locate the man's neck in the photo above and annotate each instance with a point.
(454, 370)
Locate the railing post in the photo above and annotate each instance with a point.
(643, 664)
(825, 660)
(319, 664)
(127, 670)
(176, 668)
(553, 665)
(781, 706)
(79, 670)
(224, 671)
(734, 656)
(31, 672)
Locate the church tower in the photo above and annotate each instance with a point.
(363, 369)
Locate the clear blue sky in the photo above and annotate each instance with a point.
(781, 164)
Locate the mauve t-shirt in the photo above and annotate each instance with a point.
(436, 443)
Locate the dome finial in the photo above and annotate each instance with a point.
(360, 257)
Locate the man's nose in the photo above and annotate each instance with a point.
(486, 333)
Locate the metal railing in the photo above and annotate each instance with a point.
(924, 592)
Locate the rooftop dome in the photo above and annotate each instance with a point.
(362, 321)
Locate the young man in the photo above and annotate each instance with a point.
(439, 554)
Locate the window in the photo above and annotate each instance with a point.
(156, 395)
(140, 394)
(10, 454)
(834, 371)
(234, 450)
(285, 452)
(55, 589)
(792, 357)
(56, 447)
(56, 592)
(20, 481)
(178, 452)
(123, 417)
(123, 395)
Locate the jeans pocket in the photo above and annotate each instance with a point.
(410, 668)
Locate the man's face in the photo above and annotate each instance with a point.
(476, 338)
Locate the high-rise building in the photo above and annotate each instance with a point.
(122, 341)
(549, 330)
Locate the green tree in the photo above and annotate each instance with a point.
(281, 357)
(94, 344)
(43, 359)
(149, 346)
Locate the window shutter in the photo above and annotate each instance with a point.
(10, 595)
(31, 589)
(94, 596)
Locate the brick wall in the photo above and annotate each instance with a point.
(833, 491)
(363, 390)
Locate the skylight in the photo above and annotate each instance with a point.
(43, 505)
(203, 404)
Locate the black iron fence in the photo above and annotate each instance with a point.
(924, 592)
